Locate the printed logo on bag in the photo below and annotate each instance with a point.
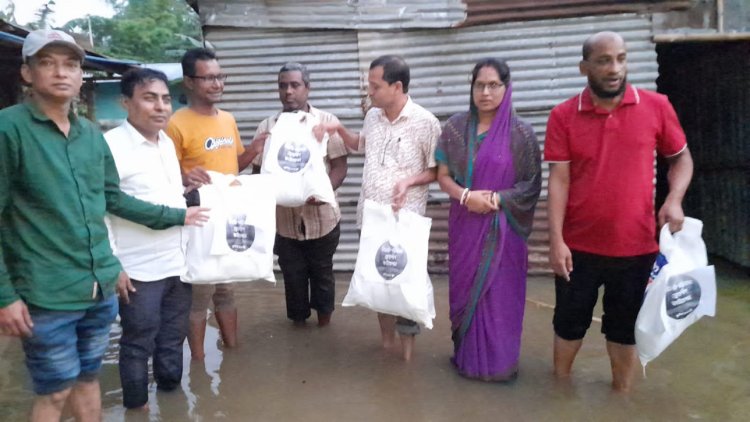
(293, 156)
(683, 296)
(216, 143)
(240, 236)
(390, 260)
(660, 262)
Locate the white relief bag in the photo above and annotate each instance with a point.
(390, 275)
(236, 244)
(681, 290)
(296, 160)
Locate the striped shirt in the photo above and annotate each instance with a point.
(308, 221)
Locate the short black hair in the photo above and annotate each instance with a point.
(395, 69)
(140, 76)
(193, 55)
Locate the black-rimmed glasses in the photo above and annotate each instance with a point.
(492, 86)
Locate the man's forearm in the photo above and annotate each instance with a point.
(557, 200)
(423, 178)
(351, 139)
(337, 173)
(247, 157)
(679, 176)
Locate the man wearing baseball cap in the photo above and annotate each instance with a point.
(41, 38)
(58, 276)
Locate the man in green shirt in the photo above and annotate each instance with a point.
(58, 276)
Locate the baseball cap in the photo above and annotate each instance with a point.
(36, 40)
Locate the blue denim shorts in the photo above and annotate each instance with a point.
(68, 345)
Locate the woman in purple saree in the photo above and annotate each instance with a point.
(489, 163)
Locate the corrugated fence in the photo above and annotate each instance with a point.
(543, 56)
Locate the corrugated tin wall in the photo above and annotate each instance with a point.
(716, 119)
(333, 14)
(492, 11)
(543, 56)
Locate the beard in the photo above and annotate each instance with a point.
(600, 92)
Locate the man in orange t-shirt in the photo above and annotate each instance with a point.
(207, 139)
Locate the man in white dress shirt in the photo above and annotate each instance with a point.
(154, 311)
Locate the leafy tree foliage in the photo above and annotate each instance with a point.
(8, 14)
(143, 30)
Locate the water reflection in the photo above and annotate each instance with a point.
(340, 372)
(201, 381)
(199, 398)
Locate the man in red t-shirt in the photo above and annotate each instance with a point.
(600, 145)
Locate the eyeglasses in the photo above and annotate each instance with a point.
(210, 78)
(492, 86)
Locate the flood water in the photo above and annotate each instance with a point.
(340, 372)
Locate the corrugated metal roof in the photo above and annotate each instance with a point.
(494, 11)
(543, 56)
(13, 36)
(333, 14)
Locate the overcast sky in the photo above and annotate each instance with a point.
(65, 10)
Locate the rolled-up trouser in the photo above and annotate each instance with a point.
(221, 294)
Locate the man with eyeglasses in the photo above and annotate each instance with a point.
(206, 138)
(307, 236)
(58, 276)
(601, 145)
(399, 139)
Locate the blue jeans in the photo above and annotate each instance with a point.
(154, 323)
(66, 346)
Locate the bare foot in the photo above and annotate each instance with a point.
(323, 319)
(389, 343)
(387, 330)
(407, 346)
(142, 409)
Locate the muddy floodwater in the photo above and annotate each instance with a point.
(341, 373)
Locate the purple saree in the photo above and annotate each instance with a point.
(488, 253)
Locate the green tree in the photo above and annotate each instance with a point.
(43, 15)
(9, 13)
(143, 30)
(101, 31)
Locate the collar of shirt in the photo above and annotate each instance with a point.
(586, 103)
(137, 137)
(37, 114)
(405, 113)
(314, 111)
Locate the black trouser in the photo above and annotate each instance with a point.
(154, 324)
(624, 280)
(307, 266)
